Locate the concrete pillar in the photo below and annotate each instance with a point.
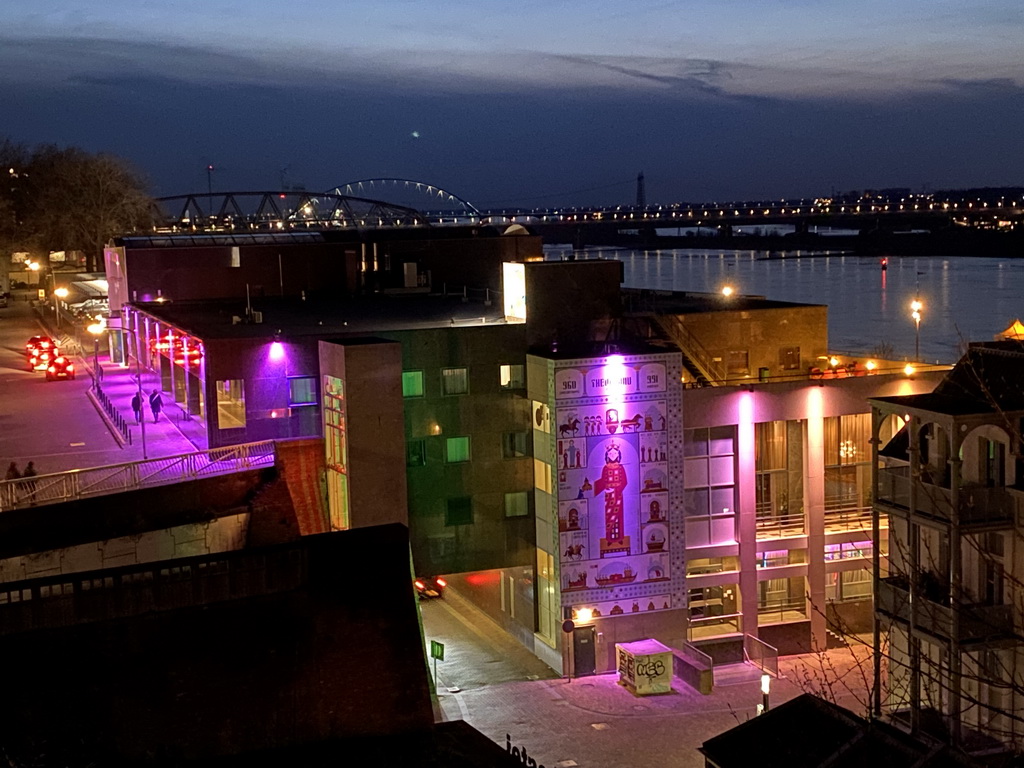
(814, 506)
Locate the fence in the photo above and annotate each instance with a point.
(118, 478)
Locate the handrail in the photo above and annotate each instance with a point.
(117, 478)
(762, 655)
(714, 372)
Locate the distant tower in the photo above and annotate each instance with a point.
(641, 193)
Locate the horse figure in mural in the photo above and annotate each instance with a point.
(572, 425)
(574, 552)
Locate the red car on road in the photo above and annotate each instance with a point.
(60, 368)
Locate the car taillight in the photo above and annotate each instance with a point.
(71, 367)
(52, 369)
(441, 582)
(419, 584)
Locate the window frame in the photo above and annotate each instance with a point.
(444, 381)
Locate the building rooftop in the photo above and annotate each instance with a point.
(290, 316)
(637, 300)
(989, 378)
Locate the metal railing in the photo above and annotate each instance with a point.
(118, 478)
(773, 523)
(979, 504)
(763, 656)
(933, 615)
(712, 370)
(119, 422)
(114, 593)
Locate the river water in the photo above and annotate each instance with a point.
(965, 298)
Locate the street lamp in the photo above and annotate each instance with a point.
(59, 295)
(916, 306)
(766, 689)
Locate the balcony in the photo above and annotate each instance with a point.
(978, 623)
(980, 506)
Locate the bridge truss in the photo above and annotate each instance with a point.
(280, 211)
(438, 205)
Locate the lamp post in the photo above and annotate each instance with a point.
(59, 294)
(96, 329)
(916, 306)
(138, 384)
(766, 688)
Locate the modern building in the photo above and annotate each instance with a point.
(950, 485)
(690, 467)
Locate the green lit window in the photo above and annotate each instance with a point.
(412, 383)
(456, 450)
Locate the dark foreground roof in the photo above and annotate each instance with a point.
(808, 732)
(989, 378)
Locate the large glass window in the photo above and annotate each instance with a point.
(231, 404)
(454, 381)
(779, 478)
(781, 600)
(710, 490)
(456, 450)
(847, 470)
(714, 610)
(415, 453)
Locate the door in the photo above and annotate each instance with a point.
(584, 652)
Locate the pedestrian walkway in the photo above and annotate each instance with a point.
(173, 432)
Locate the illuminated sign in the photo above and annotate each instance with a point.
(514, 288)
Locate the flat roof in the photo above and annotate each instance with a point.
(645, 301)
(292, 316)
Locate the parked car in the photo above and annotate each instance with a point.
(3, 300)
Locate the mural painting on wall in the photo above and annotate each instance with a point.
(613, 509)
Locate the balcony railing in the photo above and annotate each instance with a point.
(773, 522)
(977, 622)
(979, 505)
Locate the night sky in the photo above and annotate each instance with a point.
(536, 103)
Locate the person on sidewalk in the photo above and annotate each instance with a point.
(137, 407)
(155, 404)
(12, 472)
(30, 485)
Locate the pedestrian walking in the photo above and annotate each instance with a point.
(137, 407)
(30, 485)
(156, 404)
(12, 472)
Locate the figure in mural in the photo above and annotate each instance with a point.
(574, 519)
(572, 425)
(655, 512)
(612, 483)
(574, 552)
(572, 456)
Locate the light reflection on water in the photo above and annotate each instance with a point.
(965, 298)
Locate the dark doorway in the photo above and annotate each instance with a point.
(583, 651)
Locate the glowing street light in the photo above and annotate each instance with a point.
(916, 306)
(60, 294)
(727, 291)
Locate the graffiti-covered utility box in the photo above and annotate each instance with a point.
(645, 667)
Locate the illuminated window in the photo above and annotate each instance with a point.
(412, 383)
(459, 511)
(231, 404)
(512, 377)
(517, 504)
(456, 450)
(415, 453)
(454, 381)
(737, 362)
(301, 390)
(515, 444)
(710, 491)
